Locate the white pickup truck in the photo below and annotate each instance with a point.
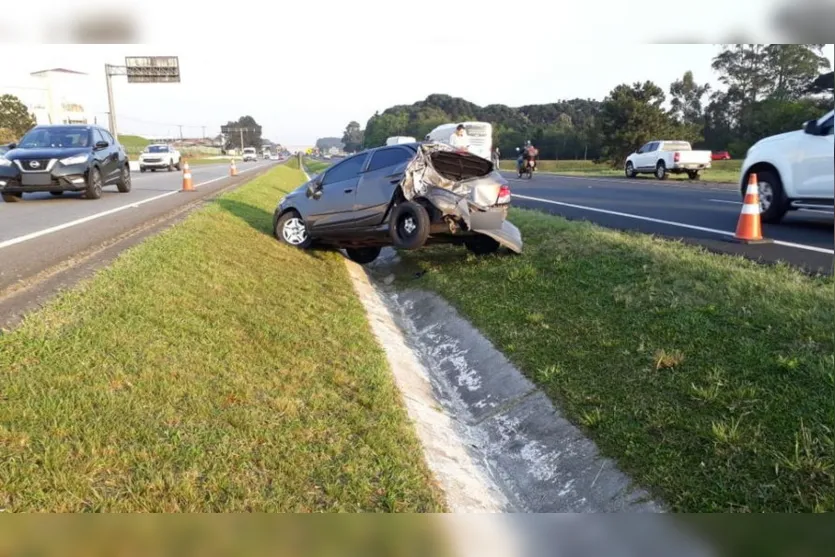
(159, 156)
(667, 157)
(795, 170)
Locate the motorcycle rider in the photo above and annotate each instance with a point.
(525, 153)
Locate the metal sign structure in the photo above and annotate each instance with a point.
(152, 69)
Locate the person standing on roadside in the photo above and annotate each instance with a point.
(497, 157)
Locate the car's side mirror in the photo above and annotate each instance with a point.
(102, 144)
(811, 127)
(12, 146)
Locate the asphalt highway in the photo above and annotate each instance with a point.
(42, 234)
(700, 213)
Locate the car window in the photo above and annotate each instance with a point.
(107, 137)
(644, 148)
(388, 157)
(97, 136)
(345, 170)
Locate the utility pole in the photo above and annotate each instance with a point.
(181, 131)
(109, 72)
(242, 140)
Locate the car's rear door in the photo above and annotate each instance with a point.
(377, 184)
(339, 186)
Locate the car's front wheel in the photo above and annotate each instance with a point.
(773, 202)
(94, 184)
(363, 256)
(124, 182)
(291, 229)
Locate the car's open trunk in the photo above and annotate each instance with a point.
(460, 166)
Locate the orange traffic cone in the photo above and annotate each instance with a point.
(749, 228)
(187, 183)
(233, 171)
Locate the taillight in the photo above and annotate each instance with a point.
(676, 156)
(504, 195)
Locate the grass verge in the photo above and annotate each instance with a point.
(208, 369)
(720, 171)
(314, 166)
(710, 379)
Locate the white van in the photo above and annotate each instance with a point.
(396, 140)
(480, 134)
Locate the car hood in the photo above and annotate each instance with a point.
(50, 153)
(779, 137)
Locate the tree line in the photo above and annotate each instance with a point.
(766, 89)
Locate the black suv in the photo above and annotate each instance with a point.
(64, 158)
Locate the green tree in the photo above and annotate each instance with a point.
(686, 102)
(15, 118)
(792, 68)
(632, 115)
(251, 133)
(353, 137)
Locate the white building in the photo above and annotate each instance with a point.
(55, 96)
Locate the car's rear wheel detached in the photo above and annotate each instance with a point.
(292, 230)
(409, 225)
(363, 256)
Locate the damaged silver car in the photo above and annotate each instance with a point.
(406, 196)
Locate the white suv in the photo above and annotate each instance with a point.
(250, 154)
(159, 156)
(794, 169)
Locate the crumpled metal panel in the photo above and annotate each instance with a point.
(463, 199)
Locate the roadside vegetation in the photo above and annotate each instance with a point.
(314, 166)
(209, 369)
(720, 171)
(711, 379)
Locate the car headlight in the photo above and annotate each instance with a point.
(75, 159)
(5, 162)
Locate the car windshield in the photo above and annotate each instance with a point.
(249, 150)
(156, 148)
(55, 137)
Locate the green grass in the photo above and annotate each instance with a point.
(720, 171)
(208, 369)
(314, 166)
(710, 379)
(133, 144)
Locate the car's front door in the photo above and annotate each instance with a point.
(377, 184)
(112, 157)
(339, 186)
(814, 168)
(641, 158)
(102, 156)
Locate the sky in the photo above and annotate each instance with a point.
(305, 73)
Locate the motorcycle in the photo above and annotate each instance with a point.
(527, 166)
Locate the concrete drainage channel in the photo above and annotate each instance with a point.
(495, 443)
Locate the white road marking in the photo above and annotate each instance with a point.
(820, 211)
(668, 222)
(64, 226)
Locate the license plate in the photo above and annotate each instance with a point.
(39, 179)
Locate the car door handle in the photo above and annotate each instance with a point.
(348, 190)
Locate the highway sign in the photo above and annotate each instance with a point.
(152, 69)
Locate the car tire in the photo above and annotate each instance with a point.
(661, 170)
(179, 165)
(629, 170)
(124, 183)
(769, 184)
(142, 169)
(170, 166)
(693, 174)
(12, 197)
(363, 256)
(287, 231)
(56, 193)
(409, 225)
(153, 170)
(94, 184)
(482, 245)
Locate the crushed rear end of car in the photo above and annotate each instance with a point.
(467, 190)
